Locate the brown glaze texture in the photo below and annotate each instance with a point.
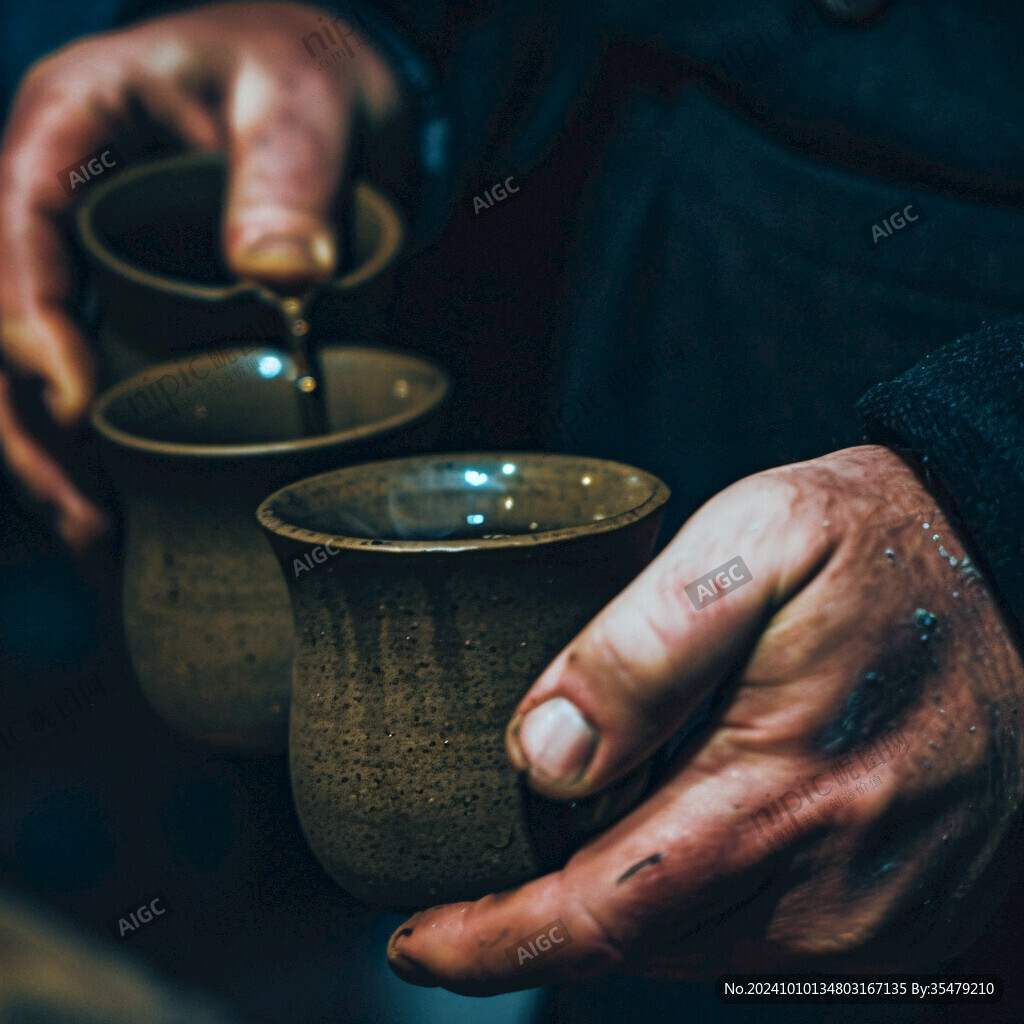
(206, 612)
(412, 654)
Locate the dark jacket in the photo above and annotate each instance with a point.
(736, 280)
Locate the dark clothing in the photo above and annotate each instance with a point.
(726, 304)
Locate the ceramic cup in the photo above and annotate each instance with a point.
(152, 237)
(193, 446)
(428, 594)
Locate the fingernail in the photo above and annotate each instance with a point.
(557, 740)
(410, 971)
(404, 966)
(404, 930)
(289, 257)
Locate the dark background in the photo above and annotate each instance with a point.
(94, 822)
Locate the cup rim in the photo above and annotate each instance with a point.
(657, 495)
(431, 401)
(392, 232)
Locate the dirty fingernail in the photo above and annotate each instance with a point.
(404, 966)
(557, 740)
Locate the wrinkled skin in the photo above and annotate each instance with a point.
(686, 885)
(233, 76)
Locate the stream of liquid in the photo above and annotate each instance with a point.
(310, 381)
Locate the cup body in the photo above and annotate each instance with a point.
(193, 446)
(417, 634)
(151, 235)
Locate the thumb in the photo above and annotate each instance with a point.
(288, 128)
(629, 680)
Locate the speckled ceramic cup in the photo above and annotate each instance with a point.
(428, 594)
(193, 447)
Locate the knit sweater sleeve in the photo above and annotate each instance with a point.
(959, 414)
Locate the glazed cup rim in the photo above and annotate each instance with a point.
(657, 495)
(431, 401)
(392, 233)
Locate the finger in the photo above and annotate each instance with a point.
(179, 104)
(288, 130)
(79, 522)
(52, 127)
(45, 343)
(38, 336)
(628, 681)
(649, 874)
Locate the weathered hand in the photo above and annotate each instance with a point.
(227, 75)
(854, 786)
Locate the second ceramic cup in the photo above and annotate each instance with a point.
(193, 447)
(428, 594)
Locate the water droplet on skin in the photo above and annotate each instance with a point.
(826, 522)
(924, 619)
(889, 553)
(972, 728)
(927, 526)
(956, 593)
(935, 536)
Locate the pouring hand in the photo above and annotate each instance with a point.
(841, 810)
(235, 76)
